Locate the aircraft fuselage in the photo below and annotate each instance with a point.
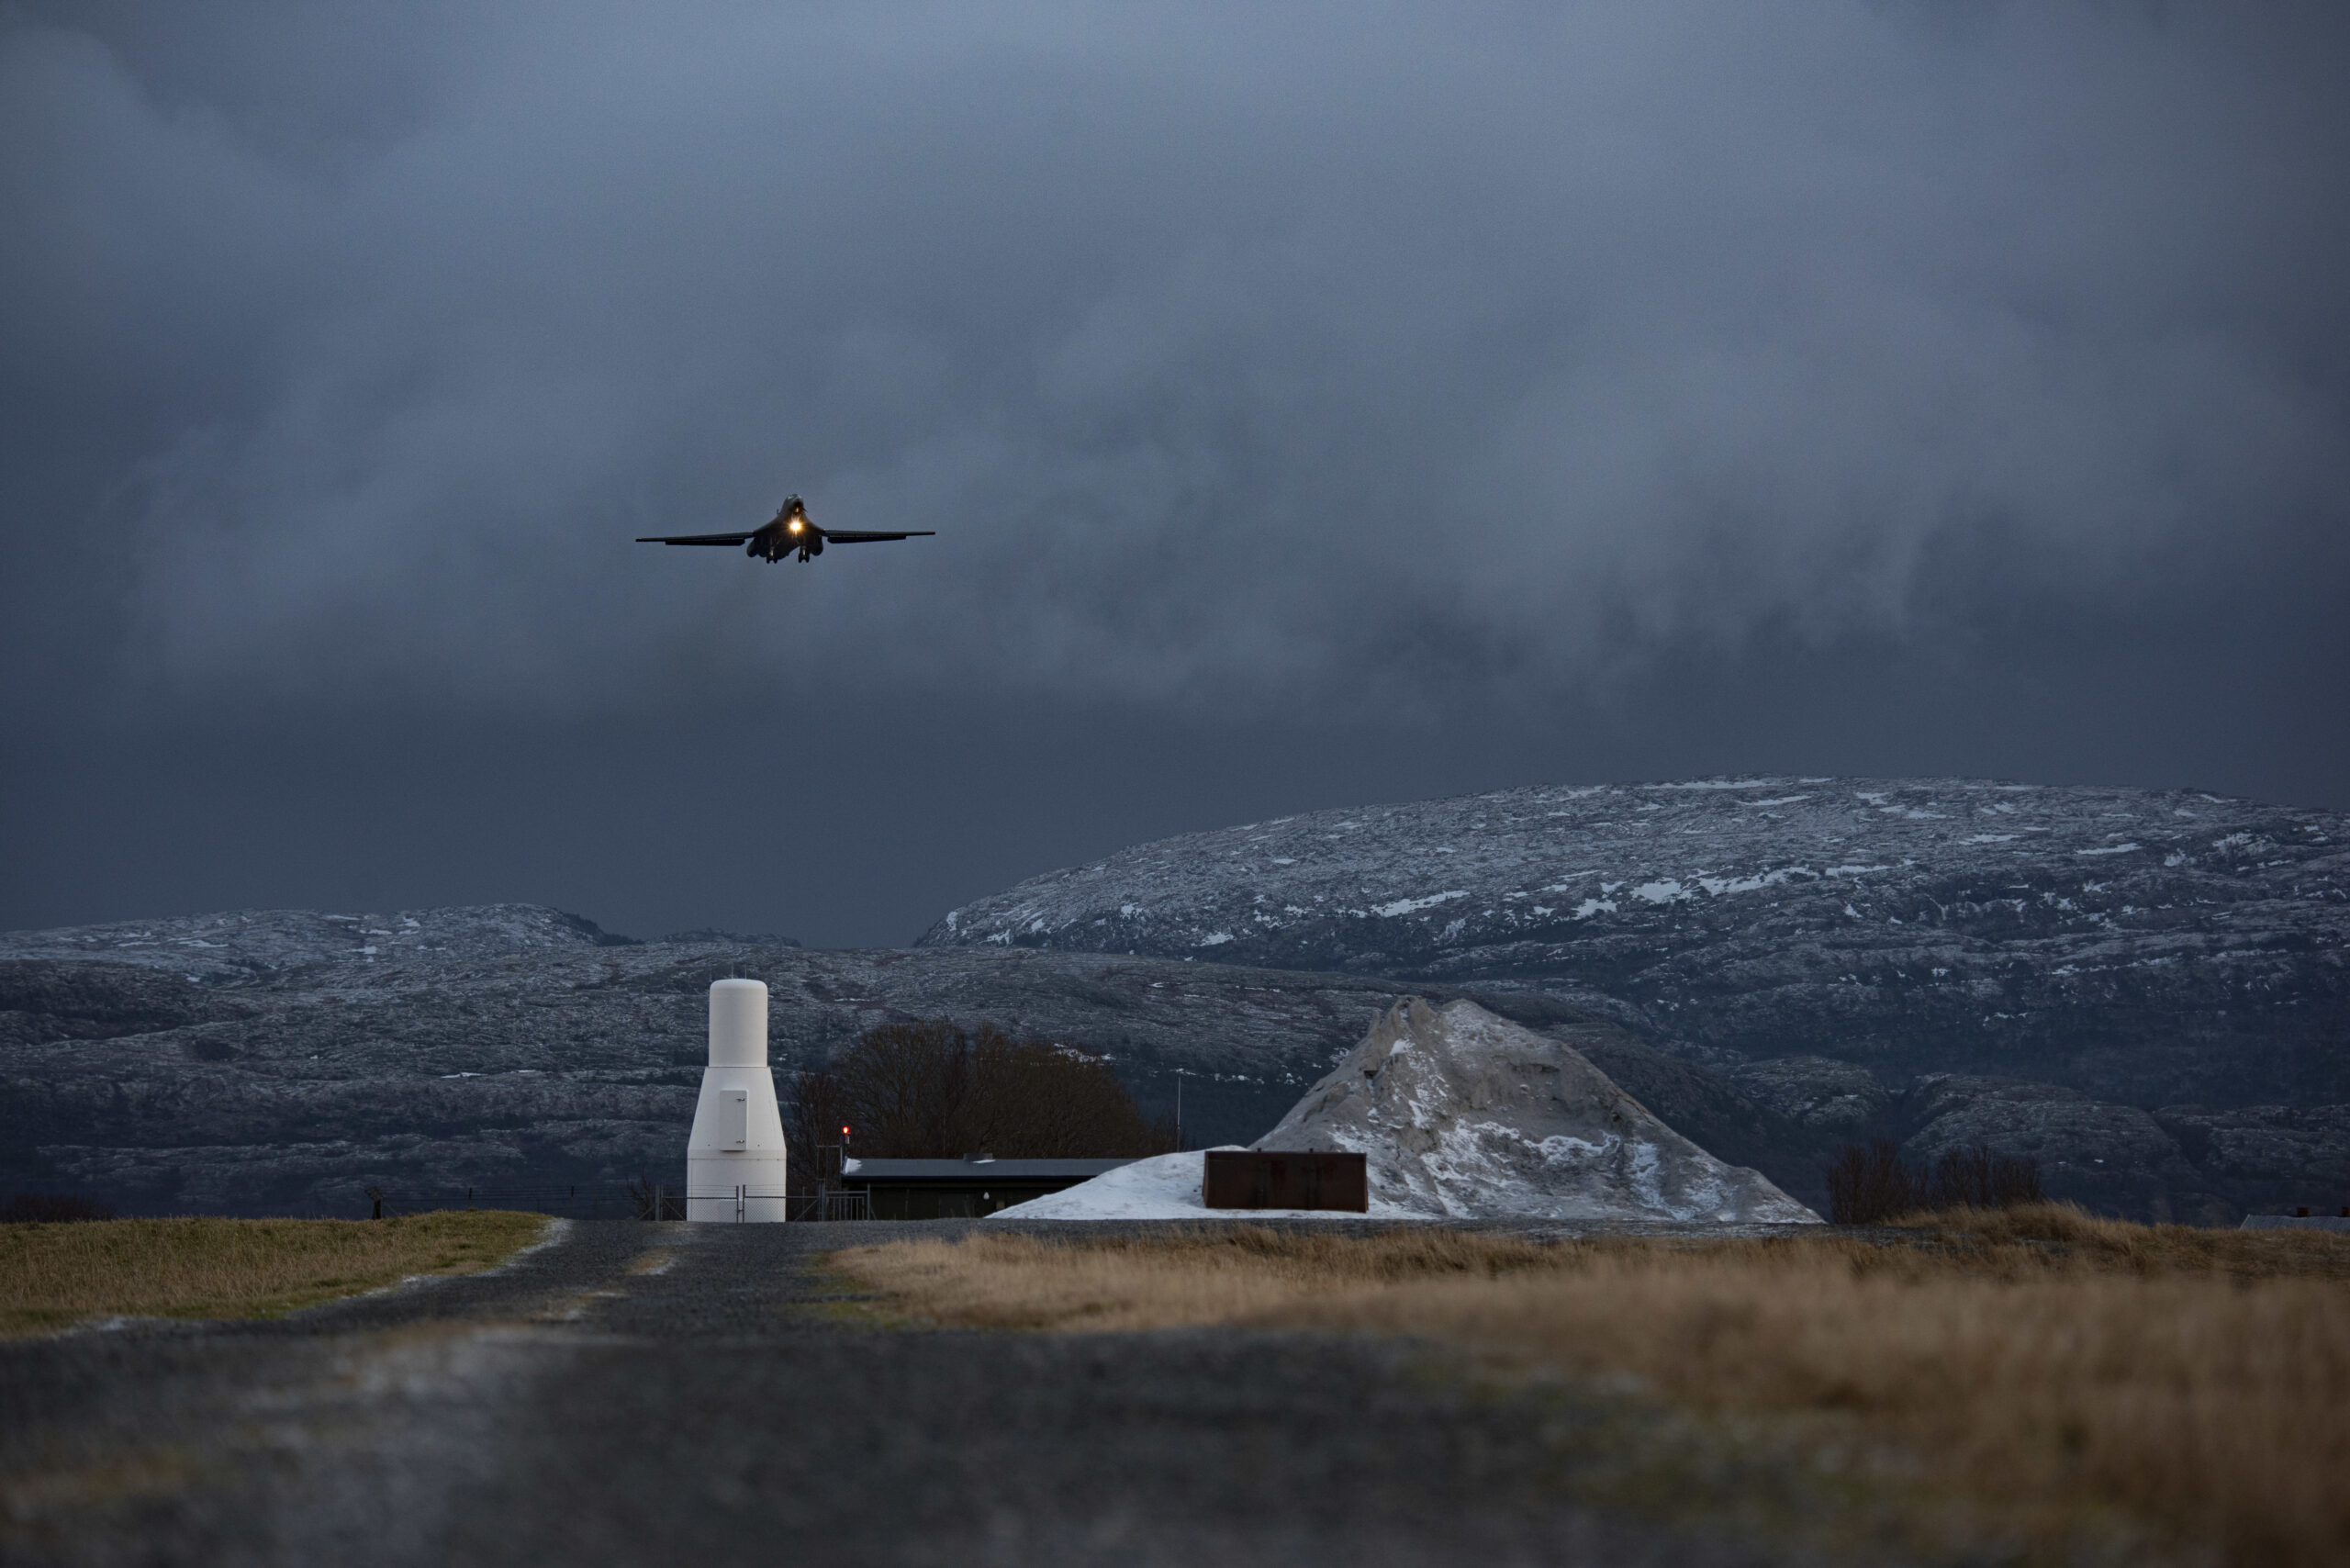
(788, 532)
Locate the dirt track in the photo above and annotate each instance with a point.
(669, 1394)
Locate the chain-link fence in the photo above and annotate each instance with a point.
(633, 1200)
(585, 1200)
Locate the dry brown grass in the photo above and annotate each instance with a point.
(2052, 1366)
(55, 1275)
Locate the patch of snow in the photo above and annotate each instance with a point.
(1718, 886)
(1166, 1186)
(1413, 906)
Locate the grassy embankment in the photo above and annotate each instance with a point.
(2035, 1378)
(55, 1275)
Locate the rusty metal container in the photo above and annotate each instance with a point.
(1286, 1179)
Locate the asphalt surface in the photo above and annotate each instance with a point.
(667, 1394)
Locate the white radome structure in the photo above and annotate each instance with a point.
(734, 1164)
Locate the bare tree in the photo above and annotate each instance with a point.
(933, 1091)
(1977, 1179)
(1043, 1101)
(818, 1111)
(1870, 1185)
(905, 1087)
(2016, 1182)
(1962, 1180)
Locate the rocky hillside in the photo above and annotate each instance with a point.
(288, 1061)
(2147, 992)
(2112, 978)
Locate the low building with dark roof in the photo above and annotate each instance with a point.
(967, 1188)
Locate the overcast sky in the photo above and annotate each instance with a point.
(1316, 406)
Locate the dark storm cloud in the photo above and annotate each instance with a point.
(1231, 350)
(1281, 364)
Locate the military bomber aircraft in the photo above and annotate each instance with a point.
(788, 531)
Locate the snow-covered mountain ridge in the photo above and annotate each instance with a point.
(2146, 946)
(241, 944)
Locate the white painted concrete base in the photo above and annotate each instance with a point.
(734, 1157)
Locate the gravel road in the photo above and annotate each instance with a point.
(631, 1393)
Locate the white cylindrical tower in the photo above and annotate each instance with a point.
(735, 1156)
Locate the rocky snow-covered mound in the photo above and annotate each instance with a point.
(1464, 1115)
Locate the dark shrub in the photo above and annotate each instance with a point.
(1962, 1180)
(51, 1208)
(2015, 1182)
(1871, 1185)
(655, 1201)
(1867, 1184)
(1977, 1179)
